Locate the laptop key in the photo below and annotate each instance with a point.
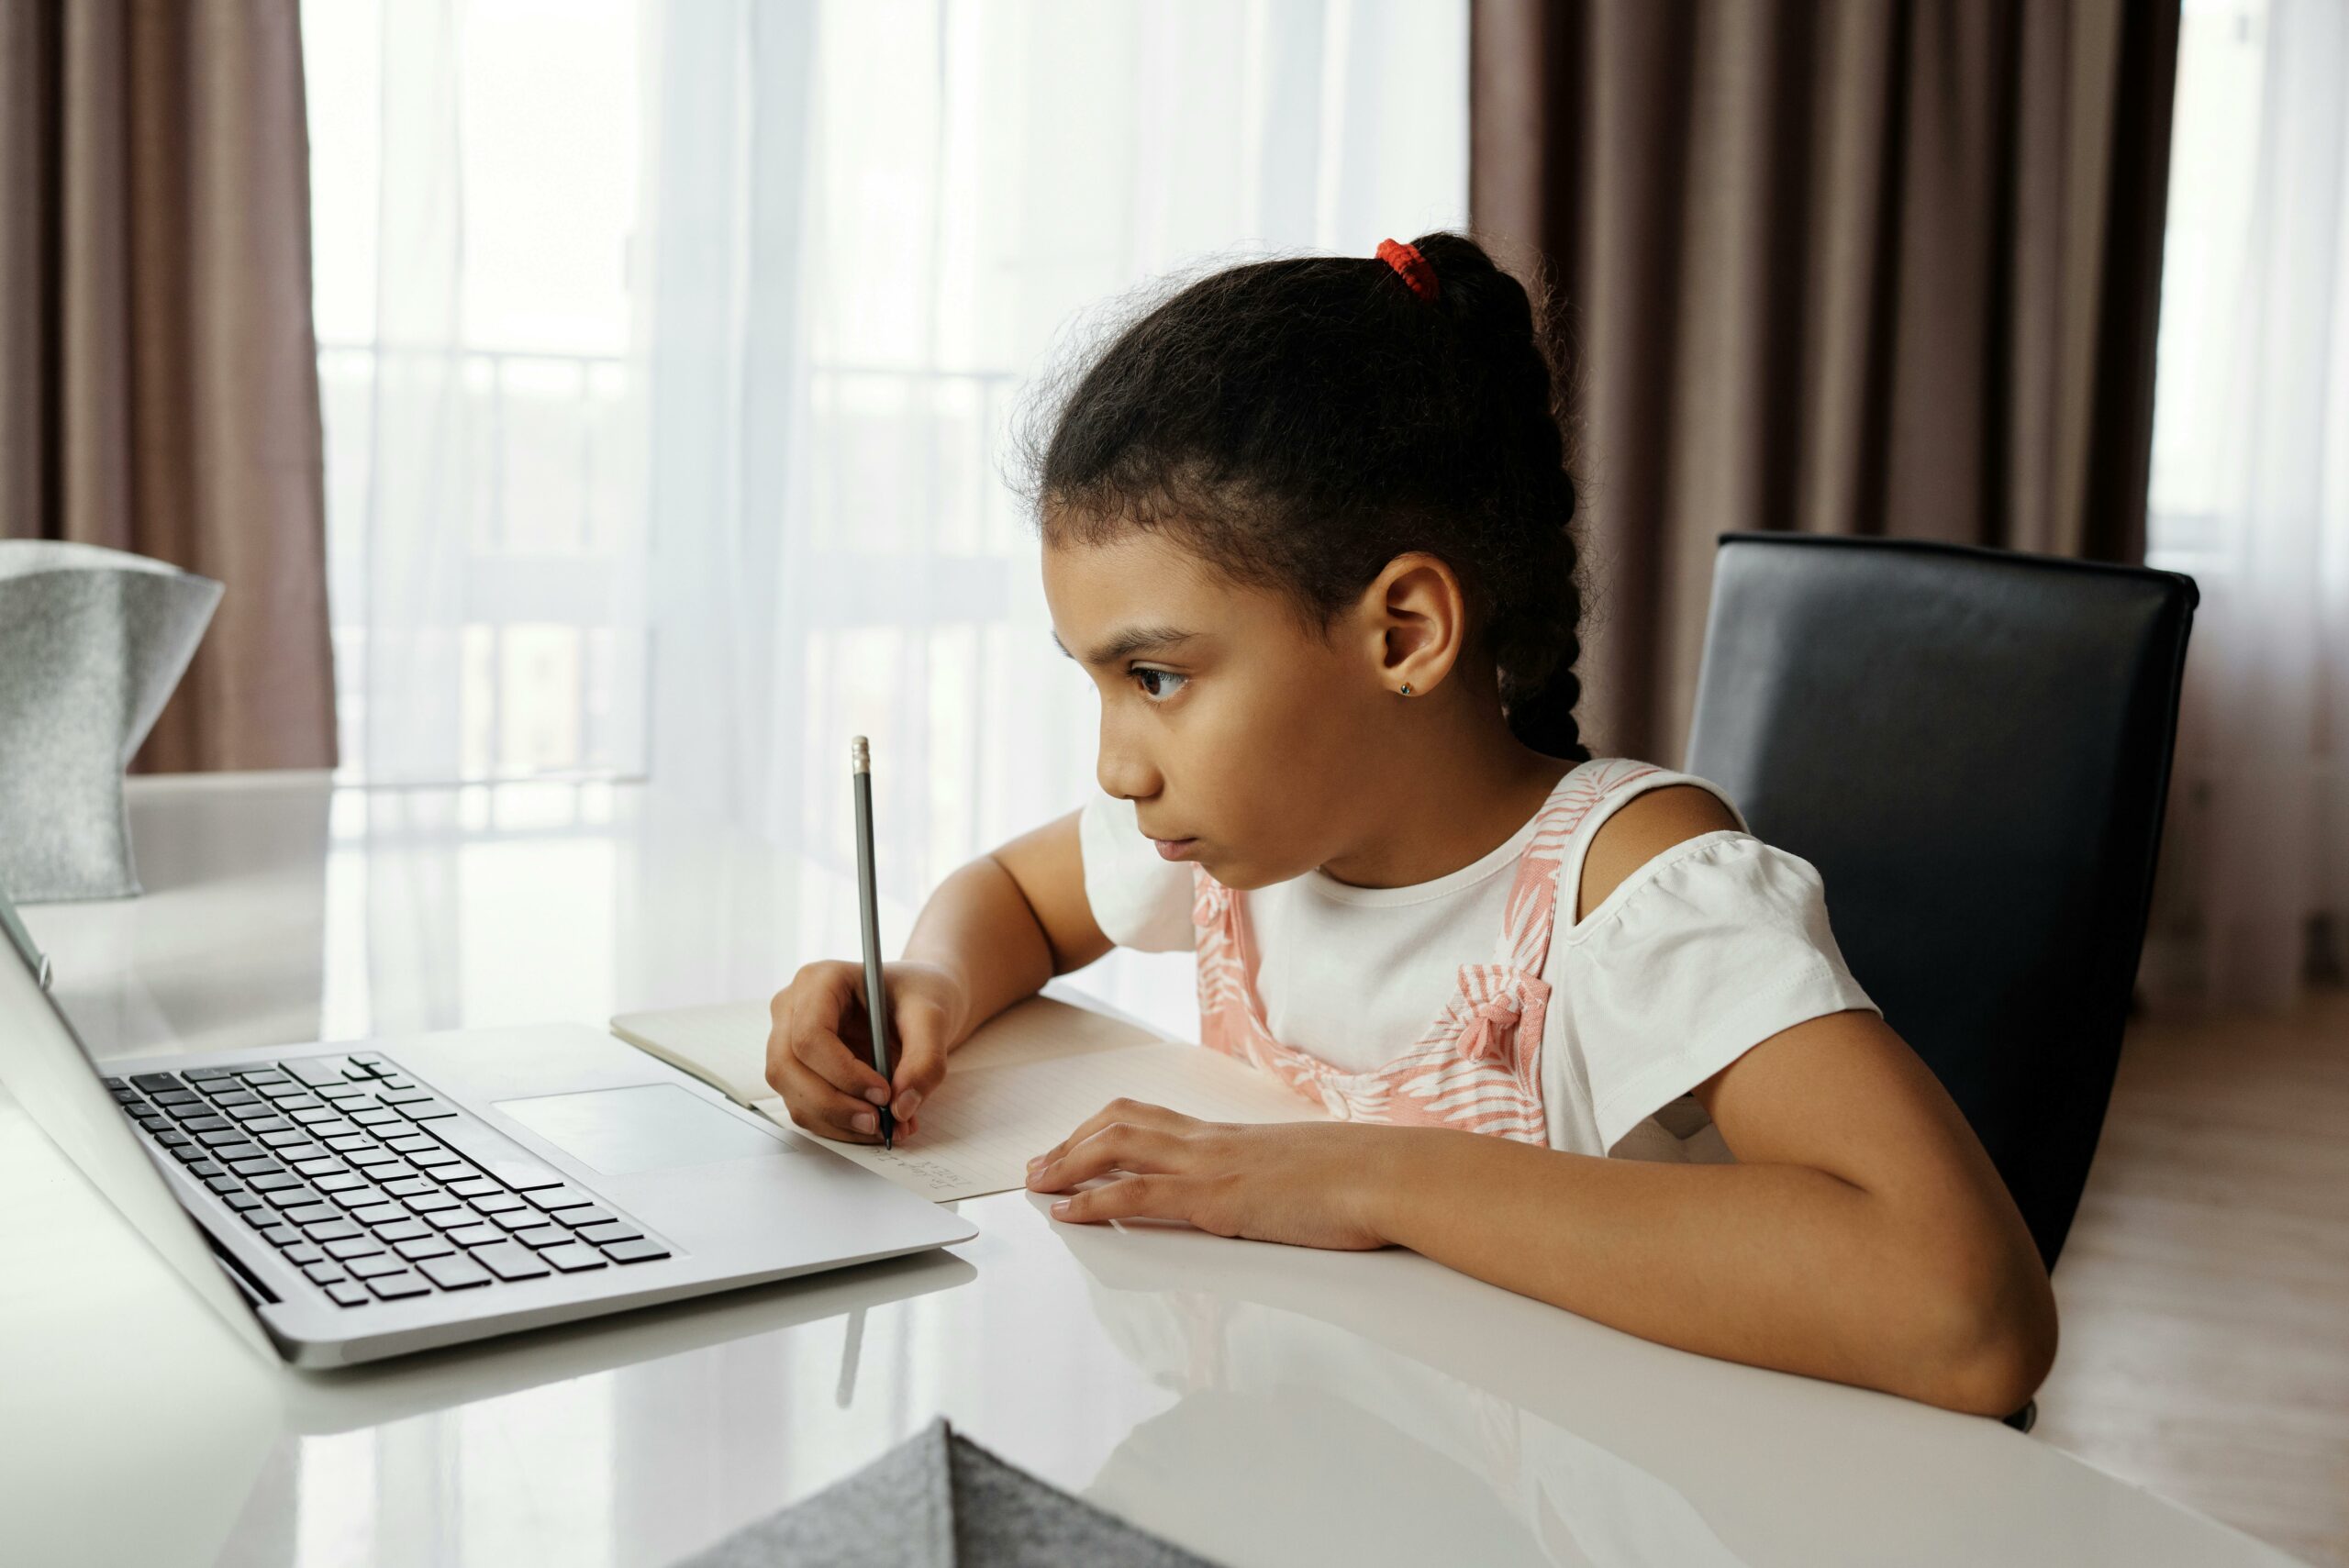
(540, 1238)
(508, 1262)
(155, 1081)
(554, 1198)
(415, 1187)
(259, 1165)
(278, 1183)
(395, 1094)
(312, 1114)
(288, 1137)
(206, 1170)
(342, 1181)
(353, 1247)
(433, 1202)
(227, 1152)
(245, 1203)
(475, 1235)
(380, 1264)
(175, 1140)
(262, 1127)
(342, 1092)
(316, 1071)
(635, 1251)
(474, 1186)
(294, 1197)
(404, 1230)
(519, 1219)
(348, 1294)
(453, 1274)
(393, 1288)
(324, 1166)
(434, 1159)
(188, 1152)
(376, 1116)
(174, 1097)
(419, 1248)
(344, 1143)
(223, 1184)
(328, 1231)
(363, 1157)
(455, 1218)
(304, 1252)
(203, 1124)
(358, 1197)
(221, 1138)
(411, 1142)
(379, 1214)
(283, 1236)
(603, 1235)
(312, 1214)
(427, 1110)
(573, 1257)
(324, 1273)
(498, 1203)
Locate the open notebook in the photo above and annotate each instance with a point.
(1024, 1080)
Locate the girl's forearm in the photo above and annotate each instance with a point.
(978, 926)
(1780, 1266)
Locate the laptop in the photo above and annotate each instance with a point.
(342, 1203)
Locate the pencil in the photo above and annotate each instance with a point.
(868, 902)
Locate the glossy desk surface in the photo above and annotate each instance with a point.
(1253, 1402)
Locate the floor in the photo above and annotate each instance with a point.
(2204, 1291)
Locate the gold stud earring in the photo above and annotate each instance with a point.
(1407, 688)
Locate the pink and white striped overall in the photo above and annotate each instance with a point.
(1478, 1065)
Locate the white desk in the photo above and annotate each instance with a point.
(1256, 1404)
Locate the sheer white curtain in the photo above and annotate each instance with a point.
(671, 349)
(2250, 494)
(867, 226)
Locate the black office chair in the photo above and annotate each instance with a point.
(1972, 746)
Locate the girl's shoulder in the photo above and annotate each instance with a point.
(1603, 847)
(1593, 792)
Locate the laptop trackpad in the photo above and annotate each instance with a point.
(651, 1126)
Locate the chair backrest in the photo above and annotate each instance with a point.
(1973, 746)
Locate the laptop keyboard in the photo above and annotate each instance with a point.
(371, 1184)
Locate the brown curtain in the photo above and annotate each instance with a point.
(1844, 266)
(158, 376)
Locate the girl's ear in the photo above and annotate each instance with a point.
(1417, 620)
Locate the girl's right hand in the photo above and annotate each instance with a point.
(819, 1052)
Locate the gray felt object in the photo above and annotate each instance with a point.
(92, 641)
(939, 1500)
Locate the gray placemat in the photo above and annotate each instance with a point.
(939, 1500)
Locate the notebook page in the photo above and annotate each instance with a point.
(988, 1121)
(725, 1044)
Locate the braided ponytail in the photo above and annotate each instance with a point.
(1535, 608)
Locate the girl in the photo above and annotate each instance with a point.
(1306, 525)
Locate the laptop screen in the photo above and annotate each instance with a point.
(52, 1075)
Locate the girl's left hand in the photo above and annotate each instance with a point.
(1305, 1183)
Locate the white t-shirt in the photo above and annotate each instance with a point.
(1710, 949)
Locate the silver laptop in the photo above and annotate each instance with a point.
(358, 1201)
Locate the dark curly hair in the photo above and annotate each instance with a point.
(1298, 423)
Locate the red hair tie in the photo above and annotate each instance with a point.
(1410, 266)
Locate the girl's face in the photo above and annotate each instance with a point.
(1247, 744)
